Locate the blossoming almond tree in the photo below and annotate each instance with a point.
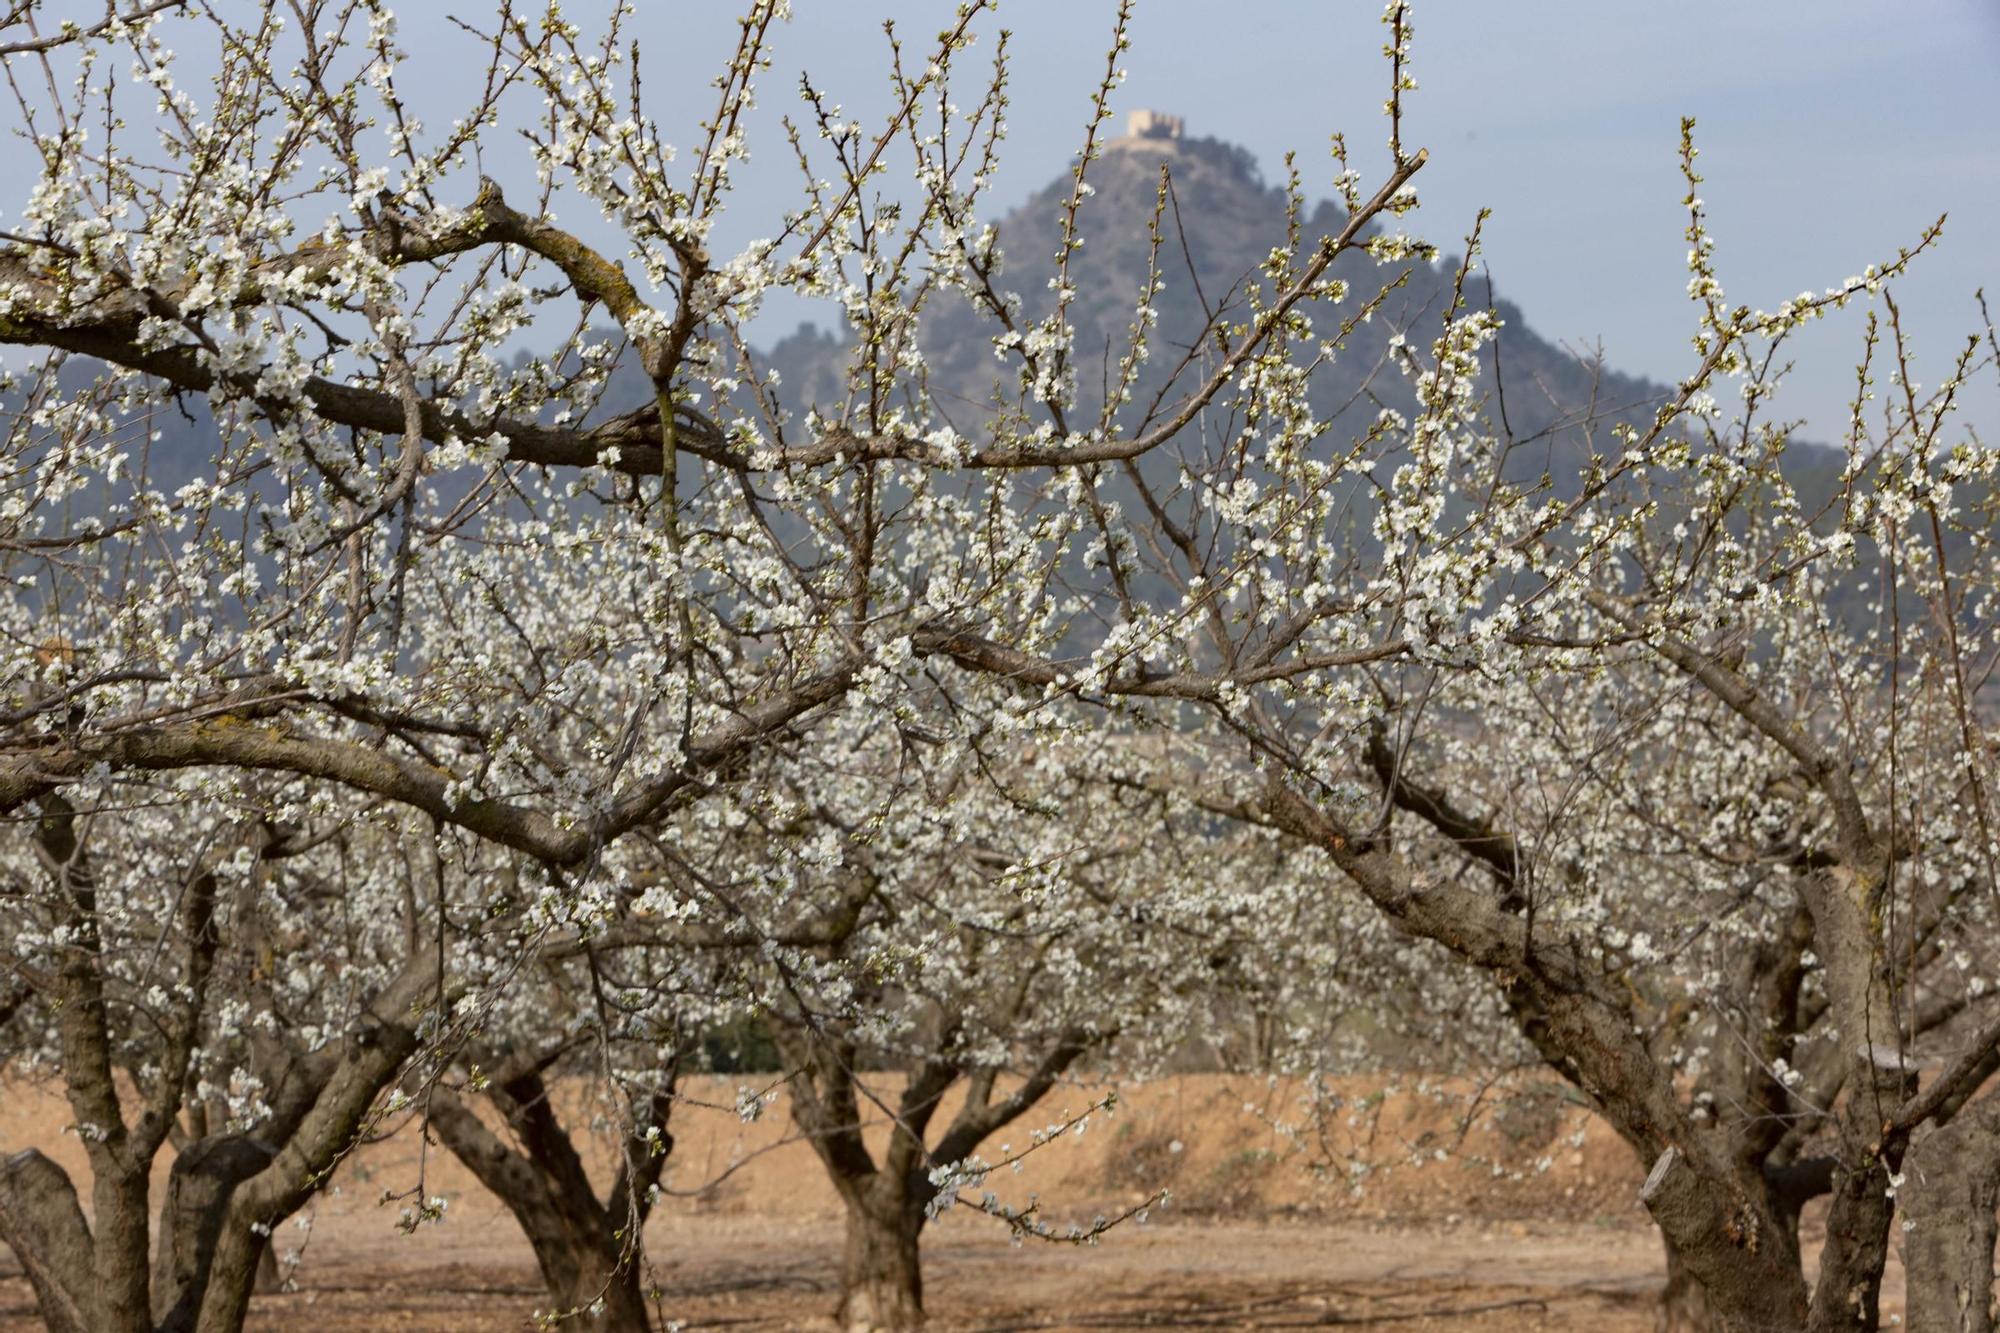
(584, 1032)
(590, 1023)
(1360, 631)
(159, 938)
(369, 598)
(1686, 612)
(1015, 922)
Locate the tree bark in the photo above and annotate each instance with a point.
(42, 1222)
(1684, 1305)
(881, 1284)
(881, 1278)
(117, 1299)
(1728, 1243)
(1950, 1191)
(1714, 1209)
(579, 1243)
(1848, 1294)
(204, 1177)
(269, 1280)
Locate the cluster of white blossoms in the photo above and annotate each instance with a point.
(395, 719)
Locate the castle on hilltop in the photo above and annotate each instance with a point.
(1153, 125)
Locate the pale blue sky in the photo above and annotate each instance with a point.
(1832, 132)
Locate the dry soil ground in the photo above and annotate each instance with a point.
(749, 1236)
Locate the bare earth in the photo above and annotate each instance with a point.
(749, 1237)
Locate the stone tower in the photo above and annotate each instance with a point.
(1153, 125)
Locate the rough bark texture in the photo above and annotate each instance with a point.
(1845, 901)
(1726, 1200)
(1709, 1203)
(1726, 1250)
(881, 1286)
(204, 1177)
(116, 1299)
(881, 1280)
(42, 1222)
(1684, 1305)
(1950, 1191)
(583, 1246)
(358, 1070)
(1849, 1292)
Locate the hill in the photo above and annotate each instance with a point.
(1220, 222)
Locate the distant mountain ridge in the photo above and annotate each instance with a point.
(1221, 223)
(1552, 407)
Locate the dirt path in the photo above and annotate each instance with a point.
(746, 1273)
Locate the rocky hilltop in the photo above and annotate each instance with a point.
(1221, 221)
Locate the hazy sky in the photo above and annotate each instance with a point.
(1832, 132)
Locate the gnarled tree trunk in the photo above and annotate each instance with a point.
(42, 1222)
(586, 1249)
(578, 1249)
(204, 1176)
(881, 1285)
(1684, 1305)
(1951, 1188)
(1727, 1242)
(610, 1279)
(360, 1068)
(881, 1278)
